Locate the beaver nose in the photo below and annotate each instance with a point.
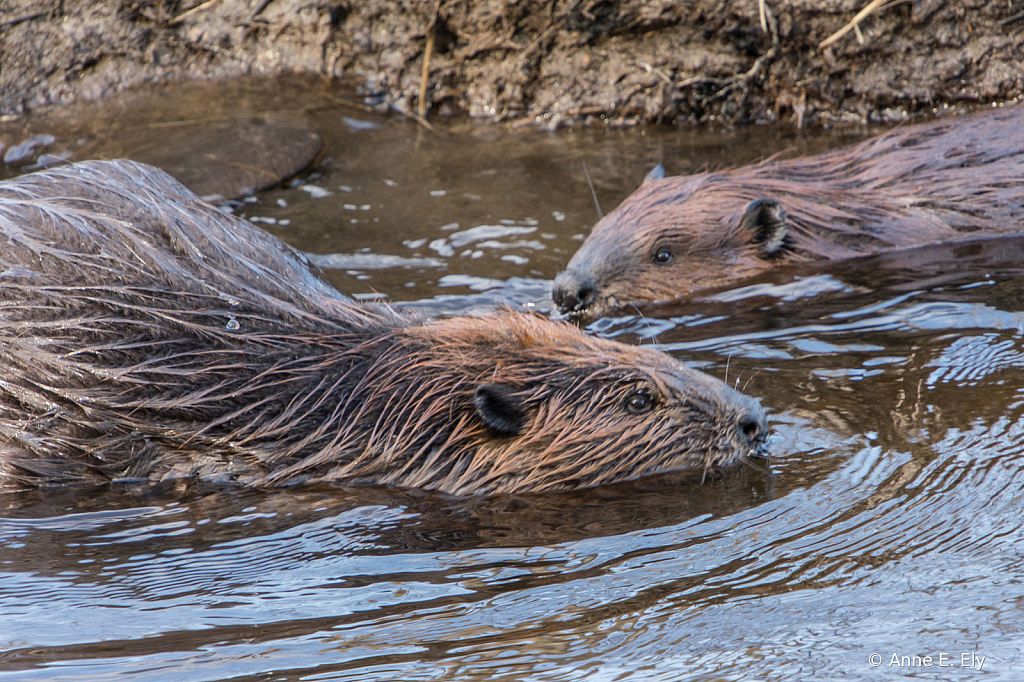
(752, 424)
(573, 291)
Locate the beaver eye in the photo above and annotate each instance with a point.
(663, 256)
(639, 403)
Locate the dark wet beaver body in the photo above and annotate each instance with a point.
(946, 180)
(146, 335)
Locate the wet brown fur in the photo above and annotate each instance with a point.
(946, 180)
(146, 335)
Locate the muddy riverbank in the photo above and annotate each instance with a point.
(532, 61)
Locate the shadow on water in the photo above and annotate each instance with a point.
(431, 521)
(887, 521)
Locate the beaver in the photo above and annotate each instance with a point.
(146, 335)
(950, 179)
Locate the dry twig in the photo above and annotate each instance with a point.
(428, 50)
(195, 10)
(726, 86)
(869, 9)
(25, 17)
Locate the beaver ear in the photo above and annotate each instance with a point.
(657, 173)
(765, 220)
(498, 408)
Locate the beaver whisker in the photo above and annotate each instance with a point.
(752, 377)
(750, 464)
(646, 322)
(593, 192)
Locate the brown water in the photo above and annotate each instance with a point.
(889, 524)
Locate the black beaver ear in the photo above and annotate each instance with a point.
(765, 220)
(657, 173)
(499, 408)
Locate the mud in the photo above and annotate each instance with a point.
(222, 140)
(533, 61)
(236, 158)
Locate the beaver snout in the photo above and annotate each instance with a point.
(740, 418)
(752, 425)
(573, 292)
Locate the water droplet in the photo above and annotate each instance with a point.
(233, 325)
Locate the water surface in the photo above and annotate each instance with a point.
(887, 522)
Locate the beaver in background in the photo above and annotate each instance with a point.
(939, 181)
(146, 335)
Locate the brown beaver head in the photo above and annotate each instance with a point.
(510, 403)
(933, 182)
(669, 238)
